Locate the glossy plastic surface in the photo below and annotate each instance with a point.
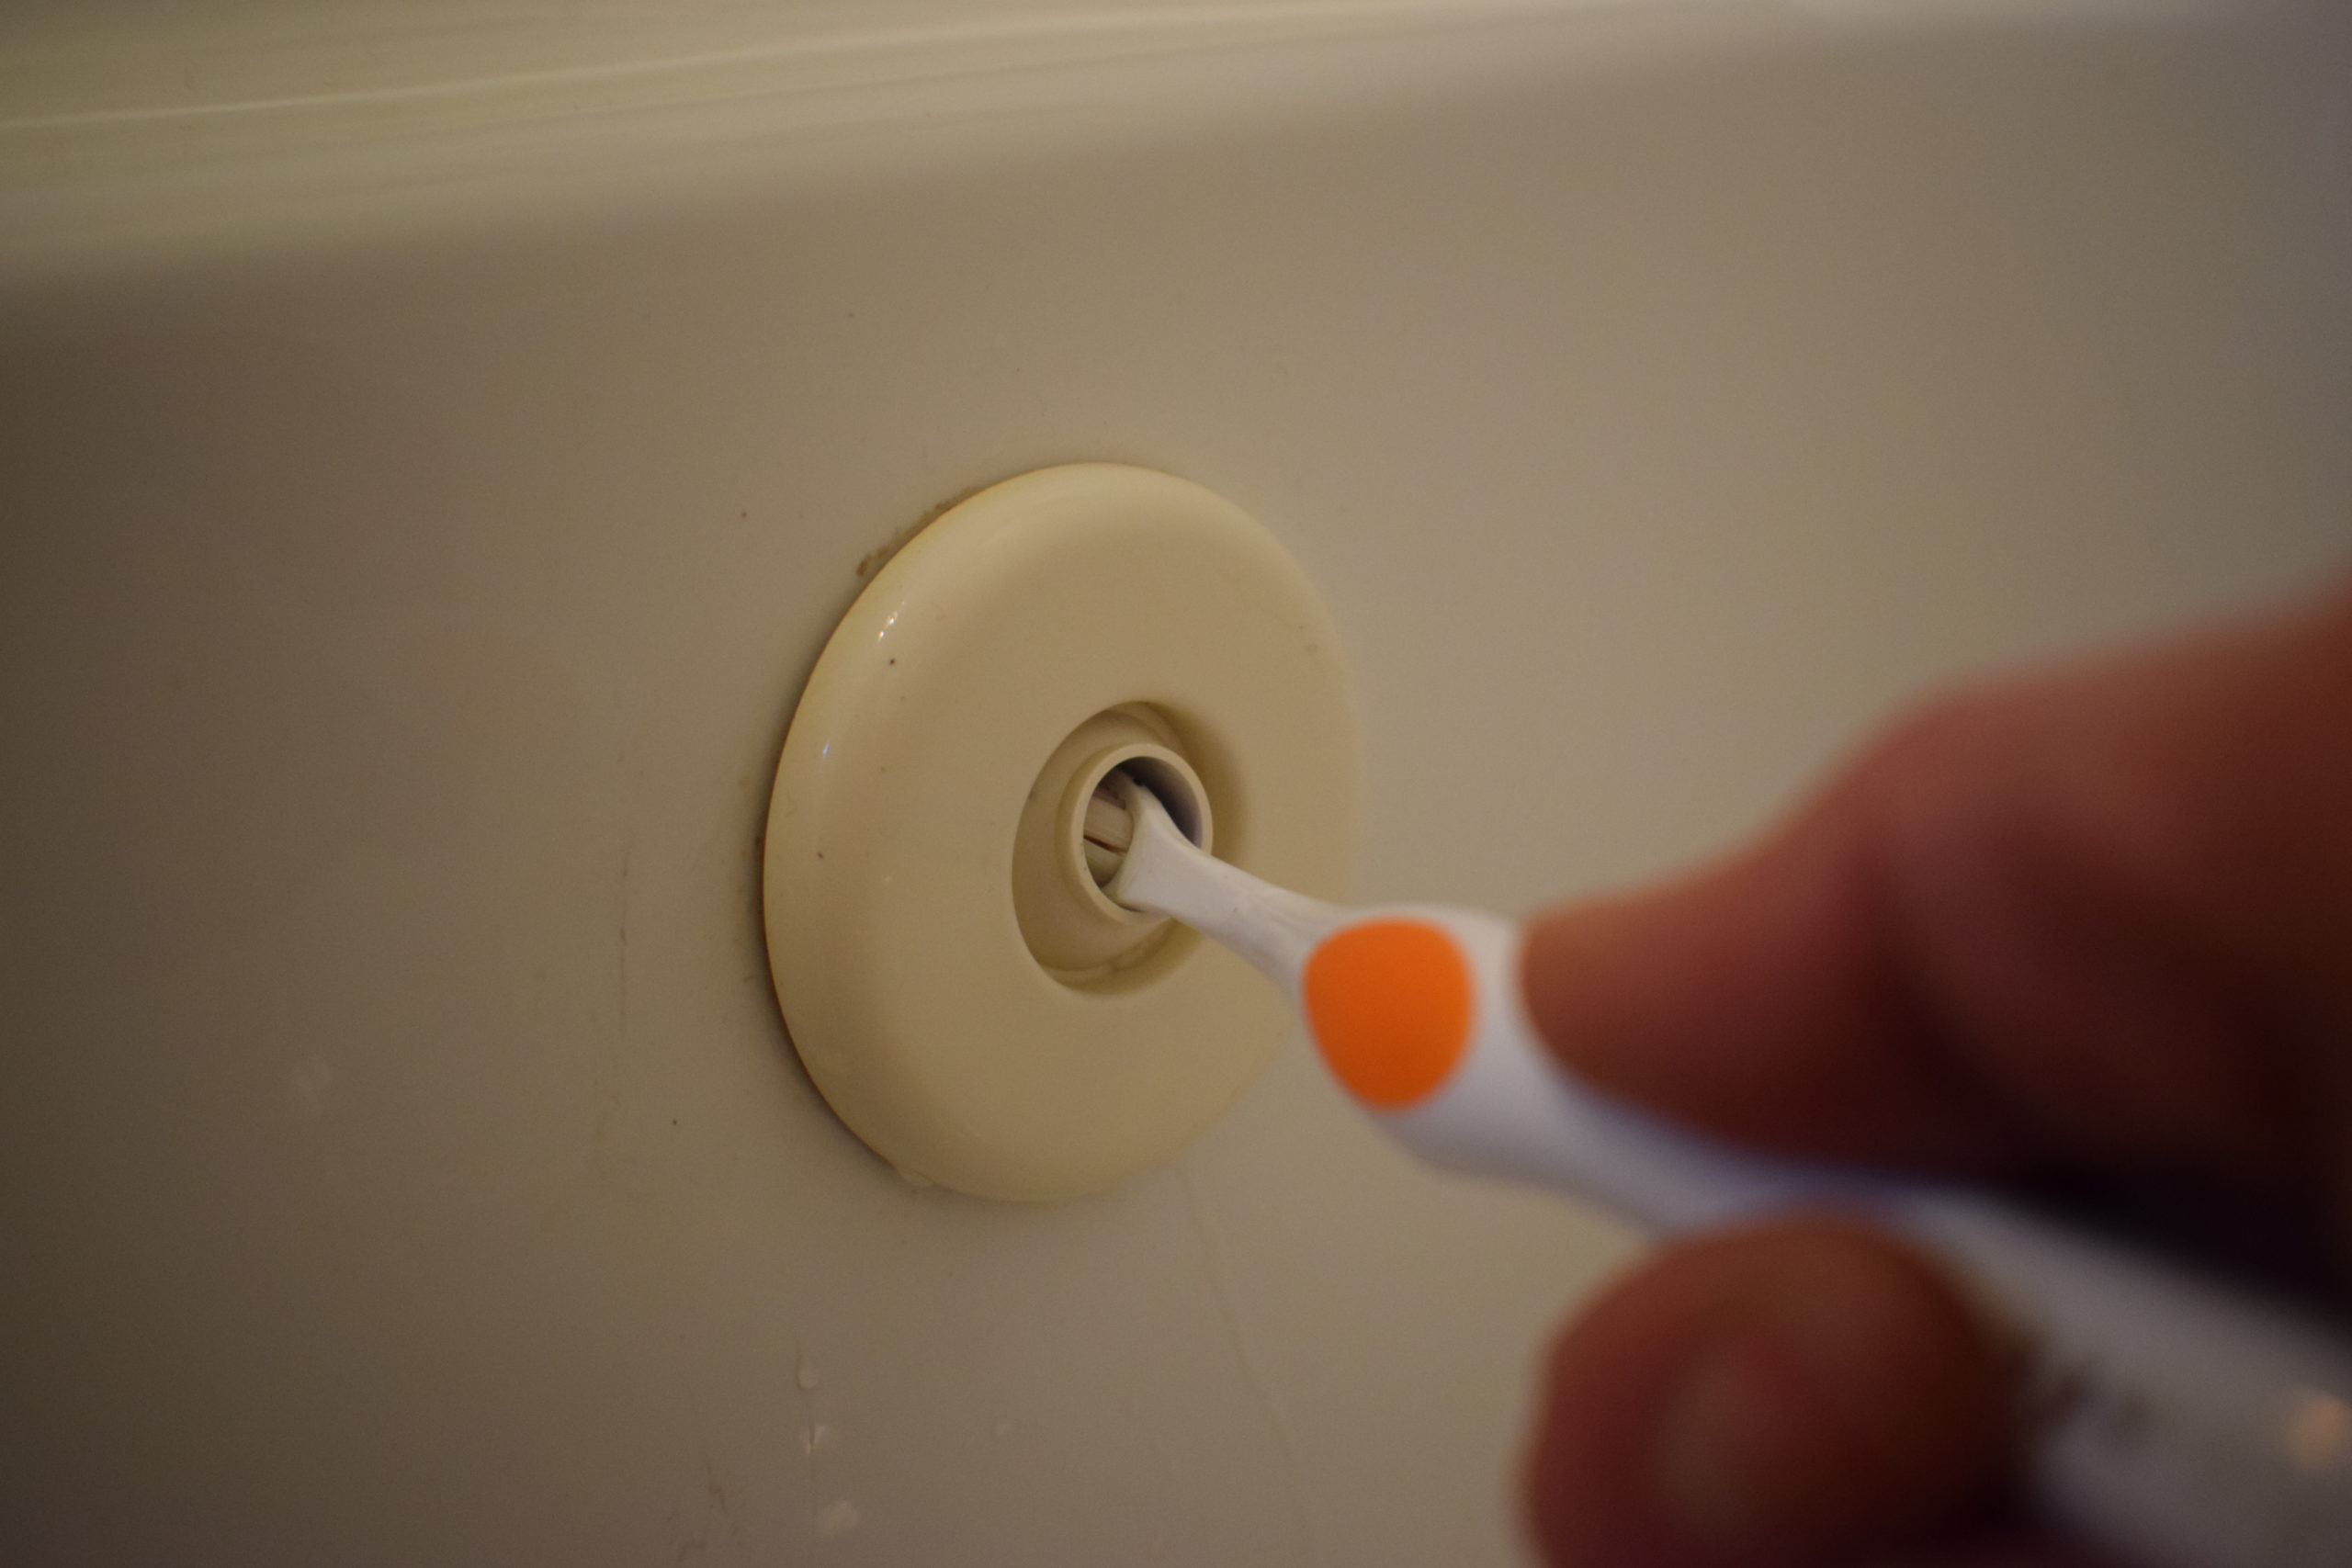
(1045, 618)
(437, 439)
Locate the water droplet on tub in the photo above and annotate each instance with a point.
(805, 1374)
(819, 1440)
(836, 1518)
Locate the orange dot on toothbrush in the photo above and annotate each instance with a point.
(1388, 1003)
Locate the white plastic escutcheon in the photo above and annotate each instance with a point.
(1037, 629)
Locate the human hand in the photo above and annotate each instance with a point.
(2093, 922)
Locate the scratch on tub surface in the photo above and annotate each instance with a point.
(715, 1500)
(714, 1495)
(629, 855)
(1229, 1312)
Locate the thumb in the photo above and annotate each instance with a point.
(1804, 1392)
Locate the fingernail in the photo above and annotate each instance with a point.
(1742, 1458)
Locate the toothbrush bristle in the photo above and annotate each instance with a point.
(1109, 832)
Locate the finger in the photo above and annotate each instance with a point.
(1762, 1000)
(2101, 913)
(2009, 1551)
(1804, 1393)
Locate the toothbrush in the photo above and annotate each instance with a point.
(2178, 1420)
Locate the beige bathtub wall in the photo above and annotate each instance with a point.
(428, 469)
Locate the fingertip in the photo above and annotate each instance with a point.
(1803, 1389)
(1624, 989)
(1758, 999)
(1749, 970)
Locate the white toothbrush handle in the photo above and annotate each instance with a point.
(2183, 1422)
